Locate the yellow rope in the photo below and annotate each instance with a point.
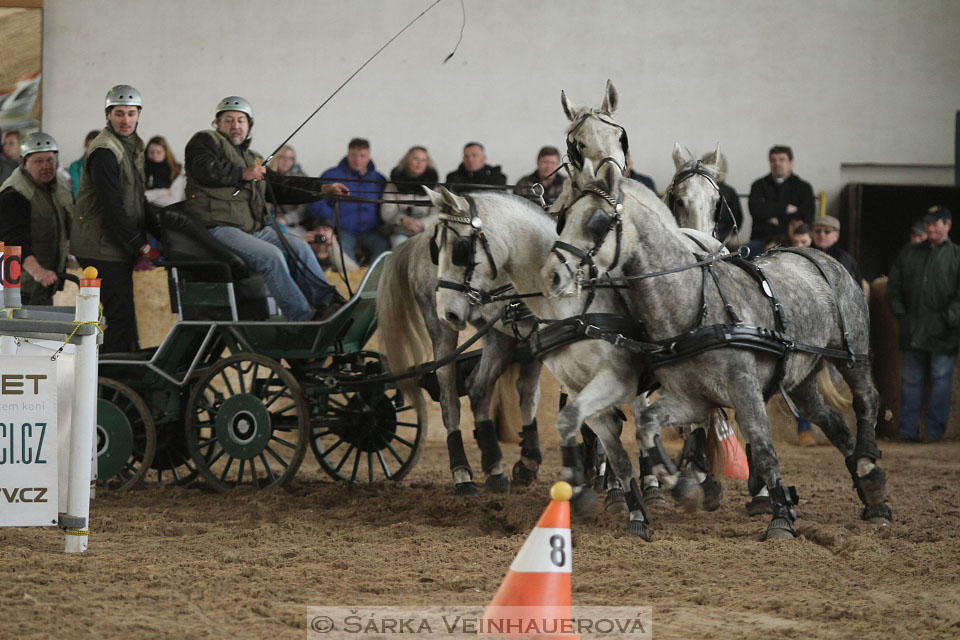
(78, 325)
(77, 532)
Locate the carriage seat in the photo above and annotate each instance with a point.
(206, 280)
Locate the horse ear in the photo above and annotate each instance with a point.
(435, 198)
(678, 159)
(610, 98)
(451, 201)
(713, 158)
(568, 107)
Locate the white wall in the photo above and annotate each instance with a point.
(839, 80)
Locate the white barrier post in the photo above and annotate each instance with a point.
(84, 415)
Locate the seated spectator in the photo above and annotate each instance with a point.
(642, 178)
(359, 222)
(291, 216)
(474, 169)
(800, 237)
(826, 232)
(918, 234)
(323, 241)
(10, 158)
(785, 239)
(165, 179)
(76, 167)
(775, 196)
(548, 162)
(407, 180)
(725, 224)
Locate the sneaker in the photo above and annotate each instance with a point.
(806, 439)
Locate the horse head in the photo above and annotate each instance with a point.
(693, 195)
(593, 133)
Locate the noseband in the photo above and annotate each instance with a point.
(599, 226)
(463, 251)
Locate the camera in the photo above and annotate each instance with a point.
(321, 238)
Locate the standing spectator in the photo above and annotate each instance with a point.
(725, 223)
(407, 180)
(918, 234)
(359, 221)
(474, 169)
(777, 195)
(290, 216)
(924, 294)
(165, 180)
(109, 232)
(10, 158)
(547, 175)
(76, 167)
(826, 232)
(35, 210)
(642, 178)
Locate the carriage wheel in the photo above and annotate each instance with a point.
(126, 436)
(172, 464)
(247, 423)
(367, 434)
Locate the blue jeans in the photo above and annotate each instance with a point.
(373, 243)
(803, 425)
(916, 365)
(289, 283)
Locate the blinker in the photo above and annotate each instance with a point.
(599, 224)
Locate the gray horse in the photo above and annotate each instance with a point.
(409, 330)
(802, 302)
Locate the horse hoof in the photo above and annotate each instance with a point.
(466, 490)
(654, 498)
(584, 506)
(780, 529)
(615, 502)
(497, 483)
(759, 506)
(712, 494)
(637, 528)
(687, 493)
(879, 514)
(879, 521)
(523, 475)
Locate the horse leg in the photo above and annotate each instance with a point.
(671, 410)
(497, 356)
(649, 485)
(445, 342)
(693, 457)
(868, 478)
(527, 468)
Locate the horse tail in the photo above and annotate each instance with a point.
(834, 397)
(401, 329)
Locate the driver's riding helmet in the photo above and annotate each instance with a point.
(37, 142)
(125, 95)
(235, 103)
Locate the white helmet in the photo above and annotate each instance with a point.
(123, 94)
(37, 142)
(235, 103)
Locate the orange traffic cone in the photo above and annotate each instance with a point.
(734, 459)
(534, 599)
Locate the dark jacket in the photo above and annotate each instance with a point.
(643, 179)
(550, 194)
(768, 204)
(489, 174)
(356, 218)
(846, 260)
(725, 224)
(923, 292)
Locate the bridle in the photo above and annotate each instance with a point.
(598, 226)
(573, 148)
(721, 206)
(463, 251)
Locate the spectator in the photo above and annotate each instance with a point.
(725, 223)
(826, 232)
(76, 167)
(917, 233)
(359, 222)
(110, 230)
(35, 212)
(323, 241)
(785, 239)
(923, 292)
(407, 180)
(290, 216)
(800, 236)
(226, 192)
(777, 195)
(165, 180)
(474, 169)
(10, 158)
(547, 175)
(639, 177)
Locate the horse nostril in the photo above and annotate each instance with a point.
(453, 318)
(555, 281)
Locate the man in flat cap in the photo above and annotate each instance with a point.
(826, 232)
(924, 294)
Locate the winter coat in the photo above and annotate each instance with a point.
(356, 218)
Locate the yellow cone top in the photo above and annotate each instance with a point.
(90, 273)
(561, 491)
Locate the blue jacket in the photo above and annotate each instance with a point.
(356, 218)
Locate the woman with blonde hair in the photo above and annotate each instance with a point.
(290, 216)
(414, 171)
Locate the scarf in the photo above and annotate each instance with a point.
(413, 185)
(158, 174)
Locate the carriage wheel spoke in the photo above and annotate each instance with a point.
(276, 455)
(266, 466)
(356, 466)
(253, 472)
(226, 469)
(283, 442)
(344, 459)
(383, 465)
(243, 463)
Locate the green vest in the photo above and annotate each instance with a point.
(51, 206)
(243, 208)
(90, 236)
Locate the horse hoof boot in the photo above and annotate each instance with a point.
(584, 506)
(497, 483)
(759, 506)
(687, 493)
(523, 475)
(615, 502)
(780, 529)
(466, 490)
(637, 528)
(653, 496)
(874, 486)
(878, 514)
(712, 494)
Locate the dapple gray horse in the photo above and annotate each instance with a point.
(803, 301)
